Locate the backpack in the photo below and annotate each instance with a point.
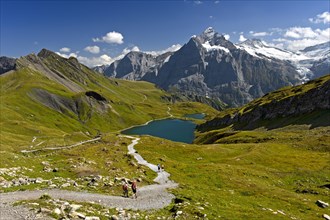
(134, 185)
(125, 187)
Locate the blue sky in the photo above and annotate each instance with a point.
(80, 28)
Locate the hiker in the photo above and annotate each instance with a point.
(134, 189)
(158, 165)
(125, 189)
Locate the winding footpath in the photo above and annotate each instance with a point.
(149, 197)
(168, 111)
(61, 148)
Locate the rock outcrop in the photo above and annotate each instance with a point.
(7, 64)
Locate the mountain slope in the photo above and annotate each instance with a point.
(212, 67)
(61, 100)
(304, 104)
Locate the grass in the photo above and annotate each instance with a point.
(107, 158)
(244, 177)
(226, 174)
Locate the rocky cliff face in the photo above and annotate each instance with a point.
(7, 64)
(321, 67)
(135, 65)
(209, 66)
(285, 103)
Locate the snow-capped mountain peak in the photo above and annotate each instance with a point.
(317, 52)
(257, 48)
(303, 60)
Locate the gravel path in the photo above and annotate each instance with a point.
(60, 148)
(149, 197)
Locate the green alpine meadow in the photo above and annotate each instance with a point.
(163, 110)
(276, 167)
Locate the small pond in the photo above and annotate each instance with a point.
(195, 116)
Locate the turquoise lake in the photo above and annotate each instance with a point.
(171, 129)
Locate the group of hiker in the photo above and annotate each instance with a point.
(133, 187)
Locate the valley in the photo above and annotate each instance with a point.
(64, 155)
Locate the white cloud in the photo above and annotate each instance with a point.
(242, 38)
(65, 50)
(92, 49)
(296, 45)
(260, 34)
(280, 40)
(198, 2)
(95, 61)
(226, 36)
(321, 18)
(298, 38)
(276, 29)
(68, 55)
(111, 38)
(300, 32)
(216, 2)
(211, 17)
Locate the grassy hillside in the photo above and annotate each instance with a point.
(255, 174)
(305, 104)
(59, 101)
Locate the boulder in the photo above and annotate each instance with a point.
(39, 180)
(57, 211)
(52, 186)
(322, 204)
(75, 215)
(327, 217)
(45, 163)
(2, 179)
(92, 218)
(65, 185)
(47, 169)
(44, 210)
(114, 217)
(179, 213)
(75, 207)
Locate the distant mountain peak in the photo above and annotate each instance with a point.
(210, 32)
(209, 35)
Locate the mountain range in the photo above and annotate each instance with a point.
(209, 67)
